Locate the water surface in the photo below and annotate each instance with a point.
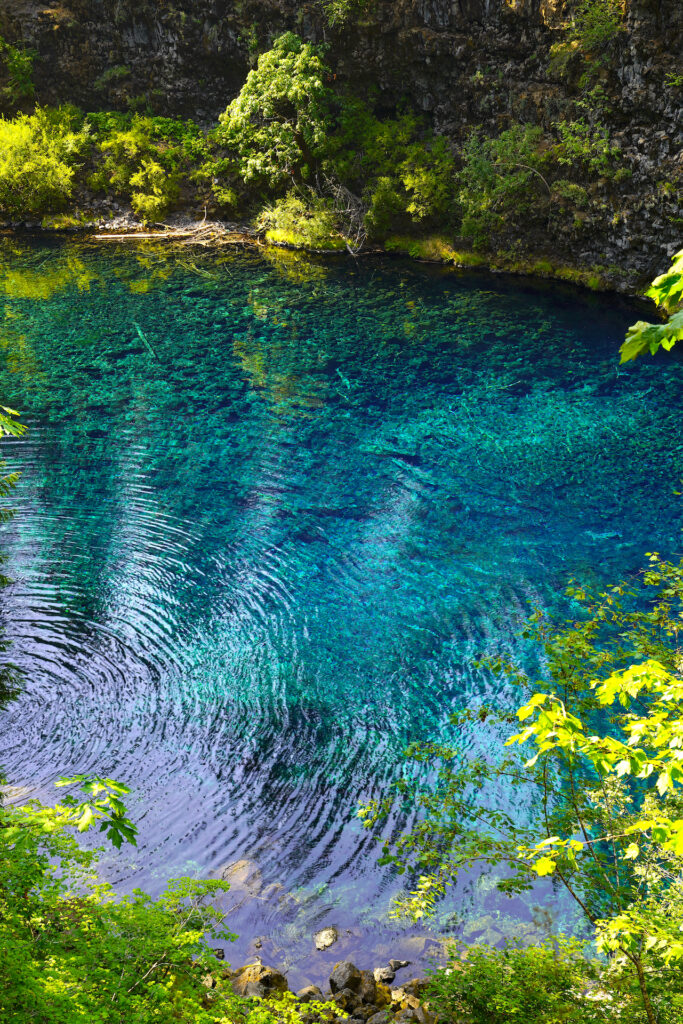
(270, 511)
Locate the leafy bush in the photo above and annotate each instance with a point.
(499, 183)
(564, 55)
(111, 76)
(145, 158)
(404, 173)
(339, 12)
(596, 24)
(585, 144)
(525, 984)
(38, 154)
(307, 222)
(153, 190)
(16, 66)
(277, 128)
(667, 292)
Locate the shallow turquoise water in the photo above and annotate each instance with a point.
(271, 510)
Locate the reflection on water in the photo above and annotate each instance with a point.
(271, 510)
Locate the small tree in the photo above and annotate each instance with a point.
(278, 125)
(607, 817)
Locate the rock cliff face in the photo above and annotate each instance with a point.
(461, 62)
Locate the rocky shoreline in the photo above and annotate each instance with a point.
(361, 995)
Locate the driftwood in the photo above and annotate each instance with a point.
(200, 234)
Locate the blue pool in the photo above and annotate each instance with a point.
(271, 510)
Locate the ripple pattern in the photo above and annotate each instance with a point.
(256, 559)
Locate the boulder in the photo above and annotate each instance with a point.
(367, 989)
(384, 974)
(345, 975)
(258, 980)
(310, 994)
(405, 1016)
(364, 1013)
(352, 998)
(416, 986)
(379, 1018)
(325, 938)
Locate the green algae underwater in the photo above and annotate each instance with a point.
(272, 508)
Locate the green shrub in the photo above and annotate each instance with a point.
(153, 190)
(385, 207)
(596, 24)
(564, 55)
(586, 144)
(38, 157)
(16, 66)
(571, 193)
(339, 12)
(145, 158)
(522, 984)
(404, 173)
(294, 221)
(111, 76)
(500, 180)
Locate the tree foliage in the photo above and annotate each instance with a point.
(667, 292)
(38, 153)
(606, 720)
(277, 127)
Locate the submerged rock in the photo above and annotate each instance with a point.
(243, 874)
(325, 938)
(397, 965)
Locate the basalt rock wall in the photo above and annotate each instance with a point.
(191, 56)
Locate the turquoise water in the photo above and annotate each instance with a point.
(270, 511)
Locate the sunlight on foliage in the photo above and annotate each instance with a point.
(38, 155)
(667, 292)
(606, 779)
(278, 125)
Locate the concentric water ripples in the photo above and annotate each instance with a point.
(255, 560)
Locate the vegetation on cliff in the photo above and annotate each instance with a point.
(312, 163)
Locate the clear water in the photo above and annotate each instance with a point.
(270, 511)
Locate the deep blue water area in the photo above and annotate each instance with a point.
(271, 510)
